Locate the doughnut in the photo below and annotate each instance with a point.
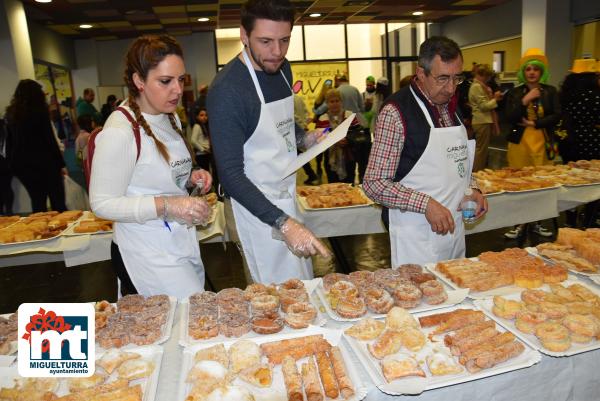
(554, 274)
(361, 278)
(292, 284)
(563, 292)
(265, 325)
(382, 276)
(552, 310)
(300, 315)
(391, 286)
(230, 293)
(351, 308)
(528, 278)
(206, 297)
(203, 327)
(407, 270)
(290, 297)
(254, 290)
(553, 336)
(378, 300)
(533, 296)
(343, 289)
(551, 297)
(527, 321)
(580, 308)
(407, 296)
(506, 308)
(264, 304)
(234, 325)
(421, 278)
(578, 338)
(238, 306)
(581, 325)
(332, 278)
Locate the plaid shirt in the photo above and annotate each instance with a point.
(388, 142)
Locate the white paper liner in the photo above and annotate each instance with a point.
(455, 296)
(416, 385)
(533, 250)
(38, 241)
(166, 329)
(505, 290)
(149, 385)
(304, 203)
(530, 339)
(534, 189)
(186, 340)
(277, 390)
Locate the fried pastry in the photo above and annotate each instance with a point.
(441, 363)
(242, 354)
(367, 329)
(400, 365)
(135, 369)
(216, 353)
(387, 343)
(82, 383)
(260, 375)
(113, 358)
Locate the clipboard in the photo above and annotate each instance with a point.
(331, 139)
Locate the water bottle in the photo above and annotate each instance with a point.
(468, 207)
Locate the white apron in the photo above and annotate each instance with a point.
(443, 172)
(159, 260)
(267, 153)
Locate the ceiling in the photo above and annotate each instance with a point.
(117, 19)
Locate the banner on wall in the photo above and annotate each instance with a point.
(310, 77)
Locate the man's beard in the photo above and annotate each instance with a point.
(370, 90)
(263, 67)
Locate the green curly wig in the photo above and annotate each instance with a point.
(545, 74)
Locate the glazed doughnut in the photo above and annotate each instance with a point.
(361, 278)
(265, 325)
(237, 306)
(563, 292)
(420, 278)
(264, 304)
(581, 325)
(553, 336)
(206, 297)
(434, 292)
(378, 300)
(234, 325)
(290, 297)
(230, 293)
(527, 321)
(554, 274)
(292, 284)
(391, 286)
(409, 269)
(407, 296)
(580, 308)
(300, 315)
(551, 297)
(506, 308)
(332, 278)
(382, 276)
(254, 290)
(351, 308)
(343, 289)
(552, 310)
(533, 296)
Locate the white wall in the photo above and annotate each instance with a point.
(559, 32)
(47, 45)
(494, 23)
(86, 73)
(200, 62)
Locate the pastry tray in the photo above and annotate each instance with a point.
(166, 329)
(533, 250)
(87, 215)
(37, 241)
(455, 296)
(186, 340)
(416, 385)
(304, 203)
(277, 390)
(149, 385)
(530, 339)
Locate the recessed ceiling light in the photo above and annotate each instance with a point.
(315, 15)
(85, 26)
(43, 1)
(203, 19)
(418, 13)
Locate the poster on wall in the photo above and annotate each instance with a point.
(309, 79)
(42, 76)
(62, 84)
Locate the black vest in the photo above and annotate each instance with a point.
(416, 134)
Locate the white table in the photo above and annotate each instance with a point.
(570, 197)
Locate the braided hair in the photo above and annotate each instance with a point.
(144, 54)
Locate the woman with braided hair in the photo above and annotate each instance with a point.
(143, 187)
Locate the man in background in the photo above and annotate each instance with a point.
(85, 106)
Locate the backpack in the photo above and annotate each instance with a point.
(91, 147)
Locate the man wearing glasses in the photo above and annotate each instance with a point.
(421, 161)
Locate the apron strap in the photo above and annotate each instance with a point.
(423, 108)
(255, 78)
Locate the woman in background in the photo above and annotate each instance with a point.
(144, 190)
(34, 156)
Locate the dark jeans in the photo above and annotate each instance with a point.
(361, 151)
(120, 270)
(41, 185)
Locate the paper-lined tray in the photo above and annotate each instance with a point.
(416, 385)
(166, 329)
(305, 205)
(505, 290)
(151, 353)
(40, 240)
(87, 215)
(530, 339)
(277, 390)
(455, 296)
(522, 191)
(186, 340)
(533, 251)
(12, 347)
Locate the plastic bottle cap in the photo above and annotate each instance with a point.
(468, 191)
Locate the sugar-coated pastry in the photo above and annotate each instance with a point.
(135, 369)
(82, 383)
(413, 339)
(389, 342)
(215, 353)
(441, 362)
(260, 375)
(207, 371)
(230, 393)
(398, 318)
(242, 354)
(400, 365)
(367, 329)
(113, 358)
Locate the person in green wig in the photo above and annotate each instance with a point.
(533, 109)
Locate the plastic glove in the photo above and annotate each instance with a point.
(200, 176)
(186, 210)
(301, 241)
(313, 137)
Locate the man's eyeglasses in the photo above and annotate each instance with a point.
(443, 80)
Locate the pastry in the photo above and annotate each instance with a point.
(526, 321)
(135, 369)
(387, 343)
(295, 348)
(113, 358)
(407, 296)
(292, 379)
(553, 336)
(260, 375)
(367, 329)
(267, 325)
(400, 365)
(300, 315)
(351, 308)
(398, 318)
(433, 292)
(498, 355)
(216, 353)
(82, 383)
(341, 373)
(230, 393)
(506, 308)
(310, 380)
(378, 300)
(441, 363)
(242, 354)
(207, 371)
(330, 384)
(412, 339)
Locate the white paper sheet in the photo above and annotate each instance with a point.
(331, 139)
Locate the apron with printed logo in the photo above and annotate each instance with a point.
(161, 260)
(443, 172)
(267, 153)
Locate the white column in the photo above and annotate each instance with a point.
(17, 24)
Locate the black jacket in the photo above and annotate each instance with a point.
(515, 111)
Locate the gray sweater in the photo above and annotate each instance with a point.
(234, 109)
